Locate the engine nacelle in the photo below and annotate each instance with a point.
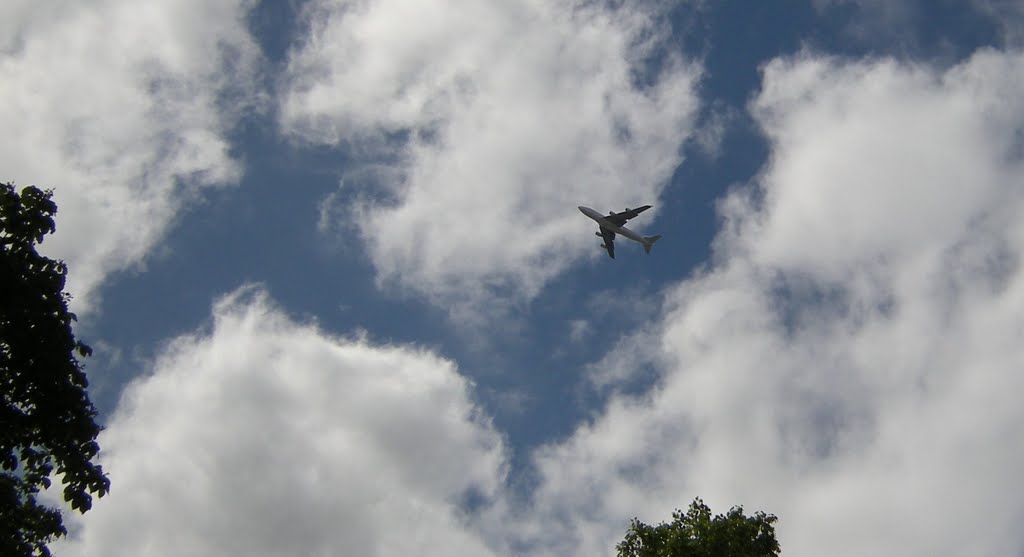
(604, 246)
(598, 234)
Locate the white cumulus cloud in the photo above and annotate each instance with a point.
(852, 360)
(114, 105)
(497, 120)
(264, 436)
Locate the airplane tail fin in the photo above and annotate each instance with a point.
(649, 242)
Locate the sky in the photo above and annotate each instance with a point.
(342, 302)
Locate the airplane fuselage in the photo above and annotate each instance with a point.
(605, 223)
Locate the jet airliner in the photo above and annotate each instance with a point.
(614, 224)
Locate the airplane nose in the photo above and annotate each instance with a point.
(580, 207)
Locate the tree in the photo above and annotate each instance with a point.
(47, 422)
(698, 534)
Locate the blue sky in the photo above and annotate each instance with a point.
(329, 257)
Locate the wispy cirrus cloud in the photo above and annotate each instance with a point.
(908, 28)
(1008, 15)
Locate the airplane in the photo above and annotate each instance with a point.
(614, 224)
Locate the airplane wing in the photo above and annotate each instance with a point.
(609, 241)
(619, 219)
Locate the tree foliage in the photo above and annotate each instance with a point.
(699, 534)
(47, 422)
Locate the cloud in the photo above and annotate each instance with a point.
(497, 120)
(264, 436)
(710, 137)
(1008, 15)
(579, 329)
(877, 21)
(120, 107)
(883, 12)
(851, 360)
